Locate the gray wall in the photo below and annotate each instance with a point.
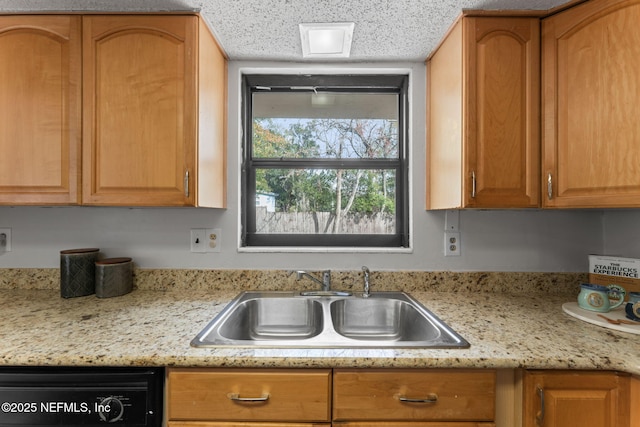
(532, 240)
(622, 233)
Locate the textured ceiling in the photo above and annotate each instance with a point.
(385, 30)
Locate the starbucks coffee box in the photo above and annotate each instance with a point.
(610, 270)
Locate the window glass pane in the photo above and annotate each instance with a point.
(325, 161)
(325, 201)
(341, 126)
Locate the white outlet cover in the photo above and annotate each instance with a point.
(452, 243)
(205, 240)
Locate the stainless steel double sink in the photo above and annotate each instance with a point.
(327, 320)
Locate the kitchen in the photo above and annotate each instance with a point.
(533, 241)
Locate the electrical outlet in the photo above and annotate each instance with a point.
(213, 242)
(205, 240)
(5, 240)
(452, 243)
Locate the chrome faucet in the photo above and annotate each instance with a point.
(325, 282)
(367, 284)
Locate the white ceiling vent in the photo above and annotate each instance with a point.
(330, 40)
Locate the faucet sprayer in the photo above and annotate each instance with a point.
(367, 284)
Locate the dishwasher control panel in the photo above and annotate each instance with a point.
(81, 397)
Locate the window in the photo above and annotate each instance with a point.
(325, 161)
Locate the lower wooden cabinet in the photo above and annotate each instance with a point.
(242, 395)
(245, 424)
(635, 397)
(409, 424)
(202, 397)
(576, 399)
(321, 397)
(414, 395)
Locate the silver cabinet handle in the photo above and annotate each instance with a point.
(549, 186)
(186, 184)
(431, 398)
(540, 416)
(473, 184)
(236, 398)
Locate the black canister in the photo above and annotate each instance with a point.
(114, 277)
(78, 272)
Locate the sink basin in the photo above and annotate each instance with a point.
(273, 318)
(382, 319)
(327, 320)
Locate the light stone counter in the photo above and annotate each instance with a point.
(154, 327)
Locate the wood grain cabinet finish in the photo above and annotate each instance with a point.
(40, 109)
(409, 424)
(248, 424)
(233, 396)
(483, 122)
(591, 105)
(414, 395)
(576, 399)
(146, 80)
(634, 398)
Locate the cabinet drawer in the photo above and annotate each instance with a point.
(387, 395)
(252, 424)
(402, 424)
(225, 395)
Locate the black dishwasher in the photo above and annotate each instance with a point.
(81, 396)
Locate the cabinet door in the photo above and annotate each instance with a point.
(501, 142)
(40, 114)
(576, 399)
(139, 121)
(591, 93)
(483, 115)
(634, 397)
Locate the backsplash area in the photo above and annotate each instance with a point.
(408, 281)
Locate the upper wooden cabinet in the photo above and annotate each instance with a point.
(483, 87)
(40, 73)
(154, 107)
(111, 110)
(591, 105)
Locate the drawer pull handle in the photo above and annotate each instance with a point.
(236, 398)
(431, 398)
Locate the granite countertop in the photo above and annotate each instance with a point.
(155, 327)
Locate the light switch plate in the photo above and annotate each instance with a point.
(452, 220)
(205, 240)
(5, 240)
(198, 240)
